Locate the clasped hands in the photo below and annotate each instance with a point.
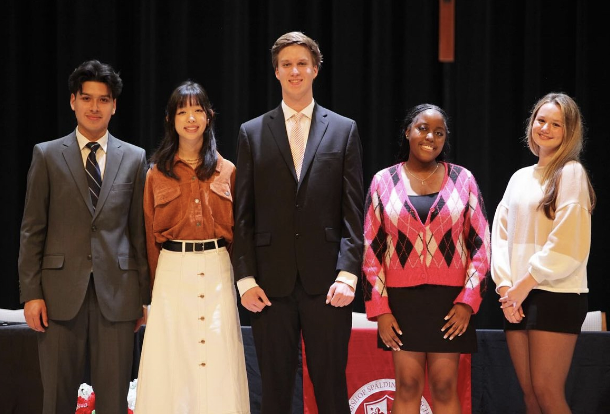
(511, 298)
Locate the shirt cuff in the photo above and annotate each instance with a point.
(347, 278)
(245, 284)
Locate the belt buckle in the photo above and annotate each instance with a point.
(198, 247)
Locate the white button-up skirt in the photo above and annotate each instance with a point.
(192, 358)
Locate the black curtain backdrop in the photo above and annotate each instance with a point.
(380, 58)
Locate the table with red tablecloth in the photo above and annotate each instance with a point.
(370, 378)
(495, 389)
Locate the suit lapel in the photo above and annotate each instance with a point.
(74, 159)
(114, 156)
(277, 126)
(319, 124)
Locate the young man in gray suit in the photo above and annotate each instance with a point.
(297, 251)
(82, 261)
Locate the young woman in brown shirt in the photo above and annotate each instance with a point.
(192, 358)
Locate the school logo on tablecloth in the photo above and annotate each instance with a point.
(376, 397)
(370, 379)
(382, 406)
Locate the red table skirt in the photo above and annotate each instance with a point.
(370, 379)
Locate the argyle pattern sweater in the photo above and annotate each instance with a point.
(450, 247)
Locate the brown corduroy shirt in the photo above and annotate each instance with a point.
(187, 208)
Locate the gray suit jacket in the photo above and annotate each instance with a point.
(63, 239)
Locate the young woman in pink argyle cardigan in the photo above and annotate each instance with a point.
(426, 260)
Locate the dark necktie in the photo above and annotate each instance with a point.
(94, 176)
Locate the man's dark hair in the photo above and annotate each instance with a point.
(95, 71)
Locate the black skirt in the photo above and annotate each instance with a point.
(420, 313)
(552, 312)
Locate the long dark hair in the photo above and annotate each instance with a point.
(187, 93)
(403, 152)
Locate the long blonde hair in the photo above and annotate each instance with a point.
(569, 150)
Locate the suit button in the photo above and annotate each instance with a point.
(202, 296)
(201, 274)
(93, 228)
(202, 341)
(201, 318)
(196, 201)
(296, 236)
(202, 364)
(88, 257)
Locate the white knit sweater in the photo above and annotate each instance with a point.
(555, 252)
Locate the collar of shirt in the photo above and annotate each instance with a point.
(82, 141)
(307, 111)
(99, 155)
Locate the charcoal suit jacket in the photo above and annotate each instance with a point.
(64, 239)
(312, 227)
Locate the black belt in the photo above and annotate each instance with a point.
(176, 246)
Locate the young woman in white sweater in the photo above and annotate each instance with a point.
(541, 236)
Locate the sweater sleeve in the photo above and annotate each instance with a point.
(500, 260)
(375, 247)
(477, 238)
(569, 241)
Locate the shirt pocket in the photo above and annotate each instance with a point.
(221, 202)
(163, 195)
(168, 207)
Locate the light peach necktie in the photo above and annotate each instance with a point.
(297, 142)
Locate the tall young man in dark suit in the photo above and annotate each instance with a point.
(82, 261)
(298, 232)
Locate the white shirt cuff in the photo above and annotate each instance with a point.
(347, 278)
(248, 282)
(245, 284)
